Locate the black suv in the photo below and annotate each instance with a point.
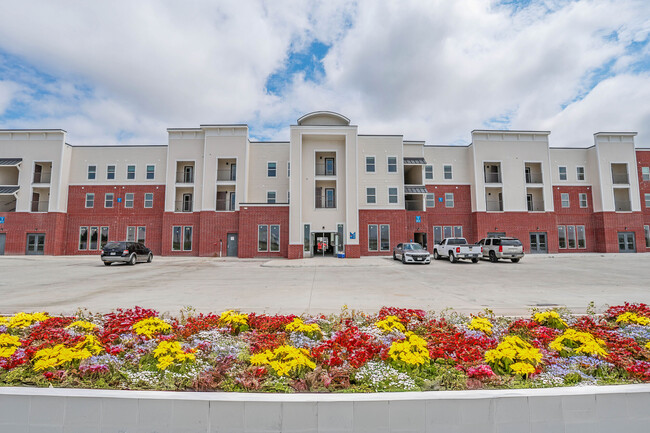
(126, 252)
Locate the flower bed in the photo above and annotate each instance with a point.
(394, 350)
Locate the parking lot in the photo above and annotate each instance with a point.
(321, 285)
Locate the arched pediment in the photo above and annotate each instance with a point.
(324, 118)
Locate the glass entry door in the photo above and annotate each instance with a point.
(35, 244)
(538, 243)
(626, 242)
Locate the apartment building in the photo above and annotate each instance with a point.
(211, 191)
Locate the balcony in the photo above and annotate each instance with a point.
(225, 205)
(492, 177)
(534, 178)
(42, 177)
(183, 206)
(533, 172)
(413, 205)
(326, 169)
(494, 205)
(535, 205)
(492, 172)
(226, 175)
(185, 177)
(7, 203)
(39, 206)
(620, 174)
(623, 206)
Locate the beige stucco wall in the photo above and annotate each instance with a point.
(184, 145)
(260, 155)
(119, 156)
(381, 147)
(617, 149)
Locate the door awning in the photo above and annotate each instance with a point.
(414, 161)
(415, 190)
(6, 190)
(10, 161)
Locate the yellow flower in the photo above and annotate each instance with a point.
(513, 351)
(629, 317)
(481, 324)
(390, 323)
(412, 350)
(8, 345)
(82, 325)
(151, 326)
(522, 368)
(285, 360)
(299, 326)
(61, 354)
(551, 319)
(23, 320)
(4, 320)
(586, 343)
(647, 345)
(170, 352)
(235, 320)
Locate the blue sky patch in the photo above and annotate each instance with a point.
(307, 62)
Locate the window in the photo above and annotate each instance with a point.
(571, 236)
(646, 229)
(270, 196)
(275, 238)
(103, 237)
(340, 229)
(108, 200)
(128, 199)
(392, 195)
(110, 172)
(431, 200)
(130, 172)
(370, 164)
(94, 238)
(142, 234)
(561, 236)
(92, 172)
(428, 172)
(583, 199)
(384, 236)
(306, 238)
(271, 169)
(437, 235)
(372, 237)
(647, 200)
(447, 172)
(288, 198)
(447, 231)
(580, 173)
(562, 171)
(371, 195)
(187, 238)
(262, 238)
(151, 172)
(458, 231)
(130, 233)
(83, 238)
(330, 198)
(90, 200)
(564, 198)
(288, 169)
(449, 199)
(582, 242)
(176, 238)
(392, 164)
(148, 199)
(645, 173)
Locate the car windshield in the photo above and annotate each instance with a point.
(511, 242)
(412, 246)
(115, 245)
(457, 241)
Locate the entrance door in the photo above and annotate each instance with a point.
(188, 174)
(35, 199)
(538, 243)
(35, 244)
(231, 248)
(187, 202)
(626, 242)
(529, 202)
(420, 238)
(329, 166)
(2, 243)
(38, 170)
(233, 171)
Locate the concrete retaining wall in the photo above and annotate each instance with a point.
(584, 409)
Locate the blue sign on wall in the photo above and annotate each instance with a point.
(2, 220)
(440, 199)
(119, 199)
(353, 235)
(418, 219)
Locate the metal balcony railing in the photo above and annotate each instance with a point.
(620, 179)
(414, 205)
(323, 170)
(43, 177)
(535, 206)
(183, 206)
(533, 177)
(226, 175)
(622, 205)
(494, 205)
(323, 203)
(225, 205)
(39, 206)
(8, 206)
(492, 177)
(183, 177)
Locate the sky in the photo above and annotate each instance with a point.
(125, 71)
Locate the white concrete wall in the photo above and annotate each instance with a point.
(259, 183)
(590, 409)
(184, 145)
(381, 147)
(613, 148)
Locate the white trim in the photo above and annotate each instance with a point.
(86, 200)
(132, 200)
(144, 203)
(453, 200)
(580, 194)
(568, 200)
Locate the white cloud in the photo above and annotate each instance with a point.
(8, 92)
(428, 70)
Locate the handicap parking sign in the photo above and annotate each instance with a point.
(440, 199)
(418, 219)
(2, 220)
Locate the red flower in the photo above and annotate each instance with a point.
(349, 345)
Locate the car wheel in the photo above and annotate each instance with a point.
(394, 256)
(403, 259)
(132, 259)
(452, 259)
(493, 257)
(474, 260)
(515, 260)
(107, 263)
(436, 256)
(149, 258)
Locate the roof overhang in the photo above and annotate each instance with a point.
(8, 190)
(415, 161)
(415, 190)
(10, 161)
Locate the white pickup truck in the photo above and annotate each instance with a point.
(455, 249)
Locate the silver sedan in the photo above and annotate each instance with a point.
(411, 252)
